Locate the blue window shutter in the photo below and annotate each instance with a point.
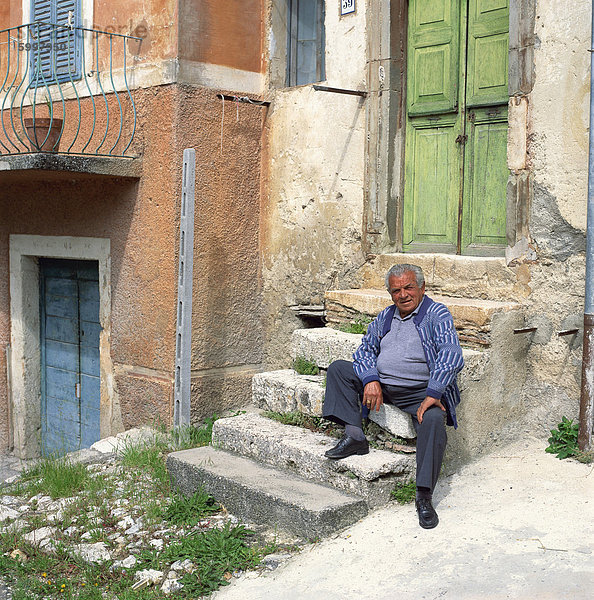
(58, 55)
(68, 60)
(40, 56)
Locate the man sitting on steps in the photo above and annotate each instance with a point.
(409, 357)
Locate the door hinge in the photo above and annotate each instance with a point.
(77, 390)
(461, 139)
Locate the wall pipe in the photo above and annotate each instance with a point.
(587, 395)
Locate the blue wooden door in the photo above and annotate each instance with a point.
(70, 378)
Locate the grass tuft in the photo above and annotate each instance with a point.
(214, 554)
(55, 477)
(305, 367)
(404, 493)
(193, 437)
(189, 510)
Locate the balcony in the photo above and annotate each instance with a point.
(65, 100)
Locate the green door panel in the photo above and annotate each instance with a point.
(486, 78)
(432, 185)
(456, 127)
(485, 181)
(433, 50)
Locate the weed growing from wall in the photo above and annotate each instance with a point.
(563, 441)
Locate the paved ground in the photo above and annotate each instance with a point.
(10, 466)
(518, 524)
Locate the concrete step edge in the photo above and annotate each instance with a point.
(264, 494)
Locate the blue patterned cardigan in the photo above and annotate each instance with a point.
(440, 343)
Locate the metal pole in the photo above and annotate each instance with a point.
(587, 395)
(183, 332)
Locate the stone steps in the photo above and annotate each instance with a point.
(473, 317)
(300, 451)
(324, 345)
(451, 275)
(263, 494)
(287, 391)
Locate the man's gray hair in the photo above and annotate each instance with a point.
(400, 270)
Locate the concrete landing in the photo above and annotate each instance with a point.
(301, 451)
(262, 494)
(515, 525)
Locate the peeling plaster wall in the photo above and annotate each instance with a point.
(313, 186)
(560, 106)
(558, 118)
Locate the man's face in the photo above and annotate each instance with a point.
(406, 293)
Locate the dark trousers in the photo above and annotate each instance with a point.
(342, 404)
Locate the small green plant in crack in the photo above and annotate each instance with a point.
(404, 493)
(563, 441)
(311, 422)
(303, 366)
(295, 418)
(358, 325)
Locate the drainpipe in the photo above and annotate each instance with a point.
(587, 395)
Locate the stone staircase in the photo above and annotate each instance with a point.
(267, 472)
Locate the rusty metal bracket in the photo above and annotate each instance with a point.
(324, 88)
(568, 332)
(525, 330)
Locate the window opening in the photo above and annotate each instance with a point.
(305, 52)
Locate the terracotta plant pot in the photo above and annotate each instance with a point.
(40, 128)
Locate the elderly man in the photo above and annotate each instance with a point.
(409, 357)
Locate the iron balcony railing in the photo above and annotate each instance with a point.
(66, 89)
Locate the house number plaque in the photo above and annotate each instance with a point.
(347, 7)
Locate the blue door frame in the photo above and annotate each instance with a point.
(70, 375)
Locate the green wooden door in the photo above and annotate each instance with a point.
(456, 138)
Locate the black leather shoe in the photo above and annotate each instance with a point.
(428, 518)
(347, 447)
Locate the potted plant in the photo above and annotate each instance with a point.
(44, 133)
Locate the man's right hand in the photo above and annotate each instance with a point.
(372, 395)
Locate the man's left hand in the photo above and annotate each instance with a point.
(426, 404)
